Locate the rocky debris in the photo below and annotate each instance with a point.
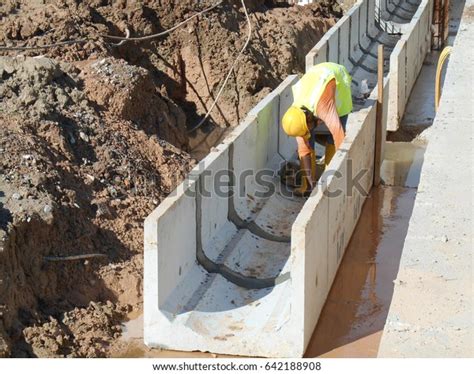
(82, 332)
(37, 88)
(5, 348)
(127, 92)
(74, 179)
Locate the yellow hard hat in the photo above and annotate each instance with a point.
(294, 122)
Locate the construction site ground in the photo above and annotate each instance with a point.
(359, 309)
(94, 136)
(436, 266)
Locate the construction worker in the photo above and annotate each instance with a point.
(323, 94)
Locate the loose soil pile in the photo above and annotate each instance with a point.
(93, 137)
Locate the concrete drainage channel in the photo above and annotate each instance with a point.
(233, 263)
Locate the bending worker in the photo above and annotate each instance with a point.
(323, 94)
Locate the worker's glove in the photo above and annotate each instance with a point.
(306, 188)
(303, 191)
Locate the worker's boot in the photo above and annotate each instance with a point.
(304, 189)
(330, 152)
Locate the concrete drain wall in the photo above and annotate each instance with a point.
(233, 263)
(406, 62)
(218, 264)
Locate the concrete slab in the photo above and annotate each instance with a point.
(354, 15)
(286, 144)
(333, 45)
(337, 202)
(363, 20)
(436, 263)
(316, 260)
(397, 94)
(344, 40)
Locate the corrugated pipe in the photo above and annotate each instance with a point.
(442, 59)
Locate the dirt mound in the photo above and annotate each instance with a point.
(189, 64)
(74, 180)
(82, 332)
(127, 92)
(93, 137)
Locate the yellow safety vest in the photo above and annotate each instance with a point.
(308, 90)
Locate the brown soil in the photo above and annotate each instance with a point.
(93, 138)
(75, 180)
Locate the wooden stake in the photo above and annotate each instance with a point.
(378, 118)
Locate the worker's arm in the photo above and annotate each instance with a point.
(304, 153)
(326, 110)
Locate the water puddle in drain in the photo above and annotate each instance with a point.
(354, 315)
(402, 164)
(131, 344)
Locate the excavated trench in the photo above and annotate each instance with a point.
(354, 315)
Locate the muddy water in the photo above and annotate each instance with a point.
(356, 309)
(402, 164)
(354, 315)
(131, 345)
(357, 306)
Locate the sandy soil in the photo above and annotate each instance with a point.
(94, 137)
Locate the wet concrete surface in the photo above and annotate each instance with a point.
(402, 164)
(356, 309)
(131, 345)
(354, 315)
(420, 110)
